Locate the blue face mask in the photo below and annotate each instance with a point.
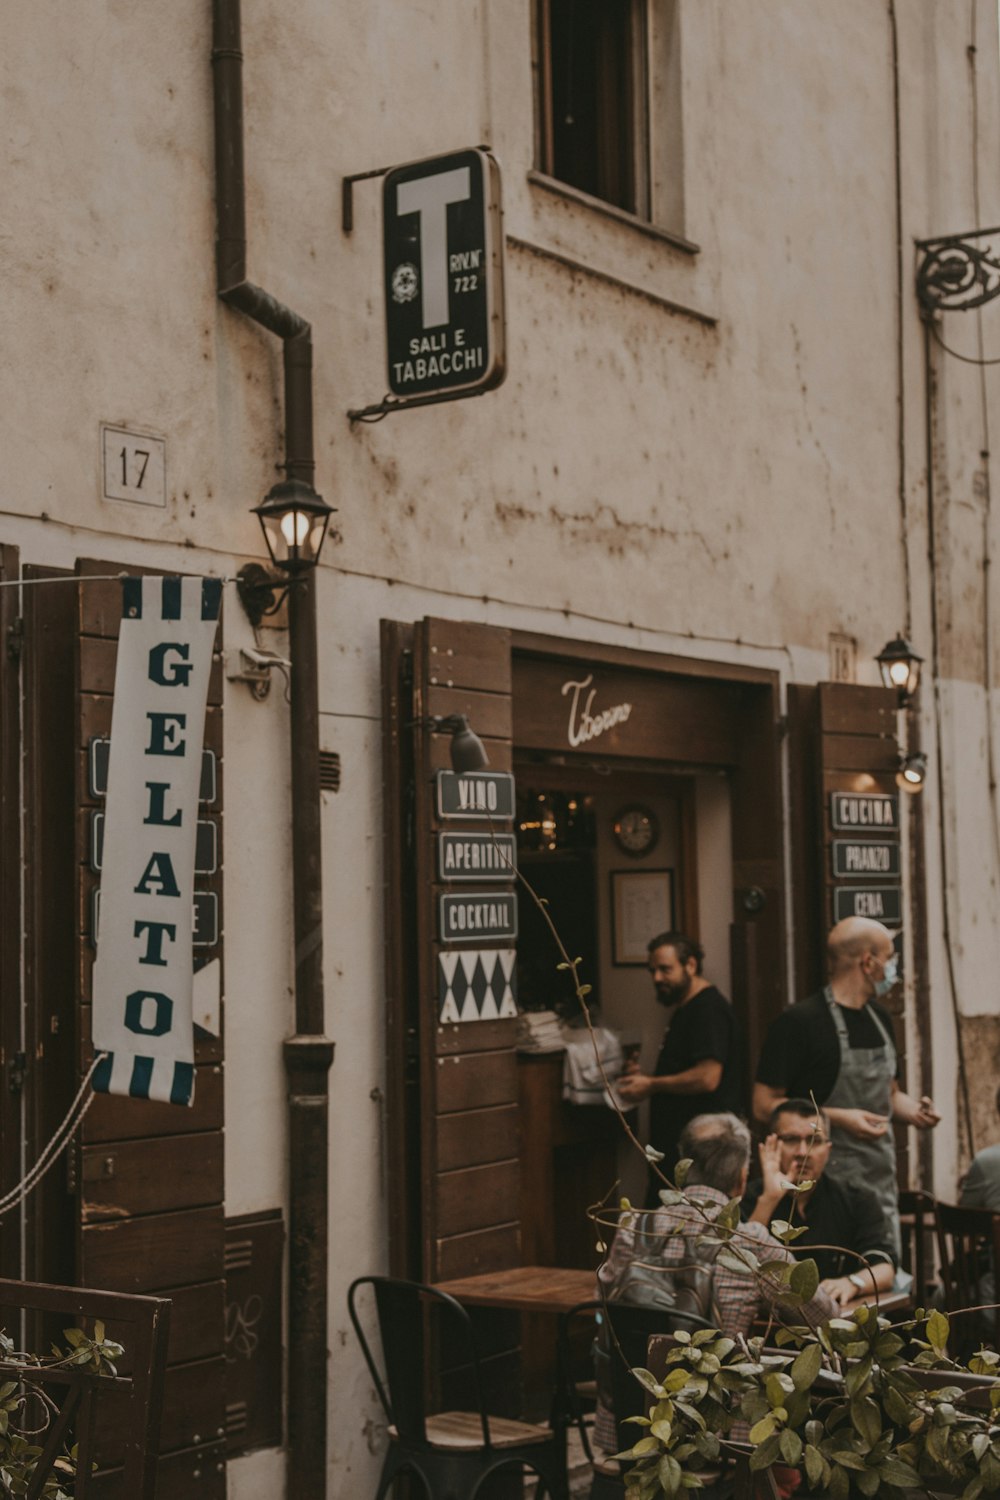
(889, 977)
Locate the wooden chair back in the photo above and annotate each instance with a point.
(969, 1250)
(918, 1226)
(141, 1325)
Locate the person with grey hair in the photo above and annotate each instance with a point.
(660, 1258)
(981, 1184)
(650, 1250)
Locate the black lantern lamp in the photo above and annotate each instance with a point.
(467, 750)
(912, 771)
(900, 667)
(294, 521)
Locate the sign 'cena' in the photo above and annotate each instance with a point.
(144, 970)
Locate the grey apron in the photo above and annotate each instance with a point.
(865, 1082)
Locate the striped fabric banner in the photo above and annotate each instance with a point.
(144, 970)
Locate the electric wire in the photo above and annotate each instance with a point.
(900, 352)
(963, 1080)
(13, 583)
(984, 455)
(982, 363)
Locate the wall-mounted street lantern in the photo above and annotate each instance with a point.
(912, 771)
(900, 667)
(294, 520)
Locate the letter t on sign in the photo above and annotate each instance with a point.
(429, 197)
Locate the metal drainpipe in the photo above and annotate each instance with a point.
(308, 1054)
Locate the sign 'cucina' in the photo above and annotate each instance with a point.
(586, 723)
(863, 810)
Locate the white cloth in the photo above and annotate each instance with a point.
(591, 1056)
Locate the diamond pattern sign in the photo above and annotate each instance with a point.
(477, 986)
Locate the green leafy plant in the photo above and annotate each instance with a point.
(841, 1405)
(26, 1410)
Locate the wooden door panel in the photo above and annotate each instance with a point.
(153, 1253)
(455, 1084)
(151, 1175)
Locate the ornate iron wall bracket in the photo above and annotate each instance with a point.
(958, 272)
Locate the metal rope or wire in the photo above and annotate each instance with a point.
(56, 1146)
(27, 583)
(984, 454)
(963, 1077)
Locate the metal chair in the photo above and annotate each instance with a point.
(452, 1453)
(631, 1327)
(969, 1250)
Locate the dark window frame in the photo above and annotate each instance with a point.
(603, 88)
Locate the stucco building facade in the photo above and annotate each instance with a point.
(729, 461)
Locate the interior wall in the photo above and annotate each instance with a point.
(713, 820)
(627, 1001)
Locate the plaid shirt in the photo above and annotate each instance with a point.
(737, 1294)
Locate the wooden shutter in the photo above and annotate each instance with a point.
(150, 1174)
(842, 738)
(454, 1084)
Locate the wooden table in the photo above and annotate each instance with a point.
(529, 1289)
(555, 1289)
(538, 1293)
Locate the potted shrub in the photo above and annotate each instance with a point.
(855, 1407)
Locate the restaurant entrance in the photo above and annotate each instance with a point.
(647, 792)
(617, 855)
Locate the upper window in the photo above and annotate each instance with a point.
(609, 104)
(592, 97)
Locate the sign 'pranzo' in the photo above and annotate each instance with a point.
(444, 276)
(144, 970)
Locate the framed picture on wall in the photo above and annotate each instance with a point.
(642, 904)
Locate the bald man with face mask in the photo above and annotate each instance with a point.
(836, 1046)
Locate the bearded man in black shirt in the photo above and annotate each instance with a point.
(699, 1070)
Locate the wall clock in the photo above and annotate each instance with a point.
(636, 829)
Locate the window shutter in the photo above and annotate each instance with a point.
(455, 1084)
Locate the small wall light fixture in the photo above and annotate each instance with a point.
(294, 521)
(912, 771)
(900, 667)
(468, 752)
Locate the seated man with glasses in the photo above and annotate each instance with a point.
(838, 1218)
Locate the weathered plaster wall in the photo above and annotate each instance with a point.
(647, 476)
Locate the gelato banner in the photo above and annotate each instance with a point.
(144, 969)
